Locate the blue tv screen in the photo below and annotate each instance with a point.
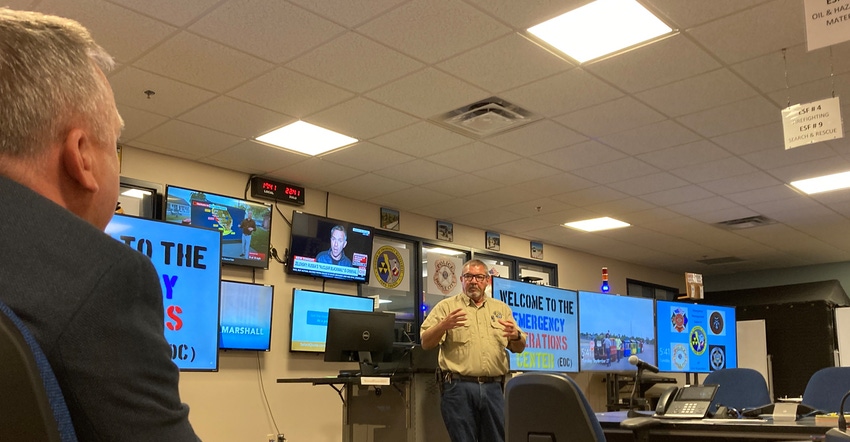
(246, 316)
(612, 329)
(696, 338)
(188, 260)
(548, 315)
(310, 316)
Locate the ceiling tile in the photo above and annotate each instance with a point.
(697, 93)
(590, 196)
(366, 187)
(367, 157)
(176, 13)
(473, 157)
(757, 27)
(170, 98)
(517, 172)
(361, 118)
(562, 93)
(315, 173)
(579, 156)
(534, 138)
(273, 31)
(712, 170)
(732, 117)
(256, 158)
(684, 155)
(506, 63)
(113, 33)
(671, 59)
(677, 195)
(689, 14)
(422, 139)
(650, 137)
(368, 64)
(434, 30)
(753, 139)
(291, 93)
(617, 170)
(427, 93)
(554, 184)
(611, 117)
(348, 12)
(417, 172)
(212, 66)
(235, 117)
(137, 122)
(462, 185)
(648, 183)
(197, 141)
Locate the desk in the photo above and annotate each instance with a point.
(400, 412)
(705, 429)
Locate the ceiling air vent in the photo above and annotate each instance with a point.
(486, 117)
(745, 223)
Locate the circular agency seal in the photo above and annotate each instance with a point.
(698, 340)
(389, 267)
(715, 322)
(444, 275)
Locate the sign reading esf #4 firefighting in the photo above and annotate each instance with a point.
(812, 122)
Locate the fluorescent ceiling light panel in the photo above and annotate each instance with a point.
(600, 28)
(596, 224)
(823, 183)
(306, 138)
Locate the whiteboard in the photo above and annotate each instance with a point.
(842, 329)
(752, 348)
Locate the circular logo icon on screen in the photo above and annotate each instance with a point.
(680, 356)
(679, 319)
(717, 356)
(444, 275)
(698, 340)
(716, 323)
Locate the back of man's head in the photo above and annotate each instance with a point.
(47, 78)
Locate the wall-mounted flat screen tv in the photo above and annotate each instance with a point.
(246, 316)
(188, 260)
(310, 316)
(329, 248)
(613, 328)
(548, 316)
(244, 225)
(696, 338)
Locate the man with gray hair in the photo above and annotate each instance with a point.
(93, 304)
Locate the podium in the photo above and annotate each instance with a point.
(399, 404)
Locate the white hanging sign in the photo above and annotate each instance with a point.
(827, 22)
(812, 122)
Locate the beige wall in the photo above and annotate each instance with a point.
(230, 405)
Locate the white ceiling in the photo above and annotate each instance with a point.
(671, 137)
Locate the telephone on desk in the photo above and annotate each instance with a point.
(690, 402)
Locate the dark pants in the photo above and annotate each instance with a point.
(474, 412)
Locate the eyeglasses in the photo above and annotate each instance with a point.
(470, 277)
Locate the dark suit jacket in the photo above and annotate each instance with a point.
(95, 307)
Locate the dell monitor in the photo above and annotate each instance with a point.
(362, 337)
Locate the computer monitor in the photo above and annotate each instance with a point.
(362, 337)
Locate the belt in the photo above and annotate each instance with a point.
(479, 379)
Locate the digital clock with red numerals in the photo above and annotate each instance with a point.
(276, 190)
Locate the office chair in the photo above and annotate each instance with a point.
(32, 407)
(826, 387)
(739, 388)
(548, 407)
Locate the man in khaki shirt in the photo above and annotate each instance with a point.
(473, 331)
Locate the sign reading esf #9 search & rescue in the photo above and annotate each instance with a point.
(548, 315)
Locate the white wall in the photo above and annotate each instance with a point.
(229, 405)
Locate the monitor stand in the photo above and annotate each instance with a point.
(367, 368)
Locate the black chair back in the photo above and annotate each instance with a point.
(548, 407)
(32, 407)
